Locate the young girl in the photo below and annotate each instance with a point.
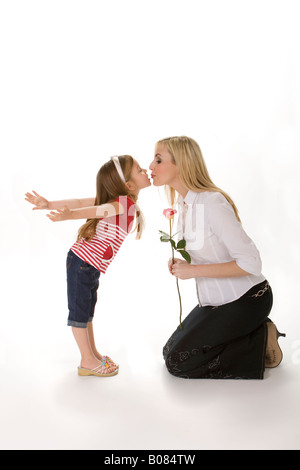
(119, 182)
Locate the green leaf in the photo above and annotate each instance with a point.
(164, 233)
(181, 244)
(185, 255)
(164, 239)
(173, 244)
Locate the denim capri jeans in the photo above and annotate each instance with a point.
(82, 284)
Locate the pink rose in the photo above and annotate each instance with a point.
(169, 213)
(179, 247)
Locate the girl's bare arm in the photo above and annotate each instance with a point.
(72, 203)
(40, 202)
(94, 212)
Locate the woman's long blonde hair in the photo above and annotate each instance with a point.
(109, 186)
(187, 156)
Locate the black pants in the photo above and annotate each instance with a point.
(224, 342)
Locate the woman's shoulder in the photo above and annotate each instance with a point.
(215, 204)
(211, 197)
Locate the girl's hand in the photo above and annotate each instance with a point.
(39, 201)
(60, 214)
(182, 269)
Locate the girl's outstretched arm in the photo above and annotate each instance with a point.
(42, 203)
(94, 212)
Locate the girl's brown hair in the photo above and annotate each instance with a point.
(109, 186)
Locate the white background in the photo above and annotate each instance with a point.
(83, 80)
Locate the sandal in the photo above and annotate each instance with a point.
(99, 371)
(110, 361)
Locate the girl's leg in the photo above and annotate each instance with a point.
(90, 332)
(88, 358)
(83, 282)
(93, 344)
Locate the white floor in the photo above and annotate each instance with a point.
(45, 405)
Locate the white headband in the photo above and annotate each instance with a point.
(116, 161)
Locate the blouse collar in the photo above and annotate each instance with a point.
(189, 198)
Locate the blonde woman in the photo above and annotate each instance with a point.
(228, 334)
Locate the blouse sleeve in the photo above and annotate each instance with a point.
(229, 231)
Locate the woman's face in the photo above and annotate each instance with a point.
(163, 169)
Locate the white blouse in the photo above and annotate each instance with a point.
(213, 235)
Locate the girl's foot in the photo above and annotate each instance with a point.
(107, 359)
(110, 361)
(100, 371)
(95, 363)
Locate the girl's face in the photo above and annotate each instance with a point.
(139, 178)
(163, 169)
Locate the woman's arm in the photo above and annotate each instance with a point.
(184, 270)
(42, 203)
(229, 232)
(94, 212)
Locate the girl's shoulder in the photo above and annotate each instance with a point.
(126, 201)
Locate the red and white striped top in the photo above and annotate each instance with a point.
(110, 234)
